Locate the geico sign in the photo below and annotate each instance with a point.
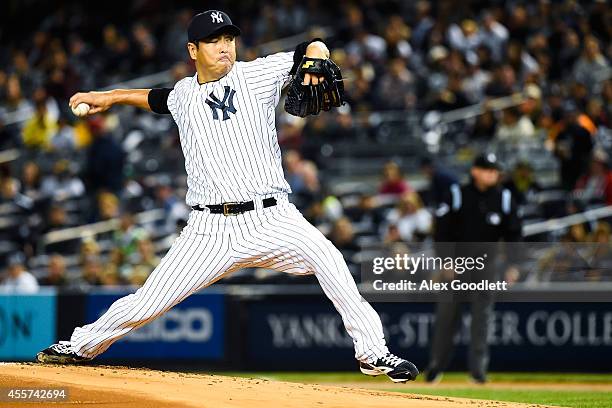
(195, 325)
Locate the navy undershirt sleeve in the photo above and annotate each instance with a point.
(158, 100)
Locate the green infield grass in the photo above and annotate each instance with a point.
(540, 388)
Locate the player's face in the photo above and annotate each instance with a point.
(215, 56)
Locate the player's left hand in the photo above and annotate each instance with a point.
(315, 49)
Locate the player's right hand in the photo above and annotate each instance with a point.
(97, 101)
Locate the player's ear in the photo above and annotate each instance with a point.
(193, 50)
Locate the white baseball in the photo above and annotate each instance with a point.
(81, 109)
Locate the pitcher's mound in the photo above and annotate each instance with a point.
(107, 386)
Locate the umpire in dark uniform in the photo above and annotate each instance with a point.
(471, 222)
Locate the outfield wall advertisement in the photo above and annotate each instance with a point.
(194, 329)
(310, 333)
(276, 331)
(27, 325)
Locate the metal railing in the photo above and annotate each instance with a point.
(89, 230)
(567, 221)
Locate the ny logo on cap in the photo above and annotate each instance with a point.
(226, 106)
(216, 17)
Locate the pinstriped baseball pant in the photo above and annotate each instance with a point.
(212, 246)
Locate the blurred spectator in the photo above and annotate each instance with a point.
(292, 161)
(522, 183)
(14, 98)
(396, 35)
(56, 272)
(89, 249)
(291, 17)
(518, 23)
(31, 181)
(126, 237)
(312, 187)
(9, 193)
(596, 185)
(344, 127)
(440, 179)
(465, 38)
(177, 34)
(105, 160)
(532, 106)
(40, 128)
(62, 80)
(145, 47)
(174, 208)
(367, 212)
(366, 46)
(116, 51)
(62, 184)
(303, 178)
(514, 128)
(591, 67)
(18, 280)
(475, 82)
(606, 95)
(108, 275)
(521, 61)
(451, 97)
(91, 272)
(601, 253)
(409, 220)
(343, 237)
(423, 24)
(564, 262)
(57, 219)
(485, 127)
(140, 263)
(503, 82)
(108, 206)
(568, 55)
(393, 180)
(596, 112)
(572, 146)
(396, 87)
(64, 140)
(493, 35)
(324, 211)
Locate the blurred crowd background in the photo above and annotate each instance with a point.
(430, 84)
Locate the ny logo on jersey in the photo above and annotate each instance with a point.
(226, 105)
(216, 17)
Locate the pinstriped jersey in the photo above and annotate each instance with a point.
(228, 132)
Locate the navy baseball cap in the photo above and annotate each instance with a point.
(486, 161)
(210, 23)
(16, 258)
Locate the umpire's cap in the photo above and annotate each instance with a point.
(210, 23)
(486, 161)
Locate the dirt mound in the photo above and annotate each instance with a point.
(108, 386)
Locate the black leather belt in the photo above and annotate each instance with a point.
(235, 208)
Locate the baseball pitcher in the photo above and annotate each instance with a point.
(240, 216)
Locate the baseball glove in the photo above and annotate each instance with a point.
(303, 100)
